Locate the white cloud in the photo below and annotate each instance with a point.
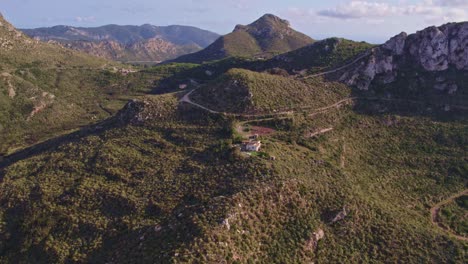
(453, 3)
(440, 11)
(359, 9)
(81, 19)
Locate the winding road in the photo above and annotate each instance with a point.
(367, 53)
(435, 215)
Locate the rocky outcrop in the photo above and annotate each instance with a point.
(10, 37)
(154, 50)
(128, 43)
(312, 243)
(434, 49)
(339, 216)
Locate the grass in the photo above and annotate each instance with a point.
(453, 215)
(243, 91)
(320, 55)
(46, 90)
(160, 181)
(251, 41)
(174, 178)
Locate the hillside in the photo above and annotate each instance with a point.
(46, 89)
(320, 55)
(244, 91)
(267, 36)
(365, 163)
(128, 43)
(430, 64)
(146, 51)
(161, 172)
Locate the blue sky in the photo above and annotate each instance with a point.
(373, 20)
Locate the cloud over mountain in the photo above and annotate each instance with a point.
(431, 11)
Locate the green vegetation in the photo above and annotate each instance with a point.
(99, 198)
(162, 182)
(244, 91)
(320, 55)
(174, 178)
(454, 215)
(46, 90)
(266, 37)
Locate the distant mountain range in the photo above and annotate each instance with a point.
(128, 43)
(266, 37)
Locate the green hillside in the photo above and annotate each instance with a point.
(114, 195)
(244, 91)
(320, 55)
(47, 90)
(266, 37)
(343, 175)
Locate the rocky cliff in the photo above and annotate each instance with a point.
(154, 49)
(128, 43)
(430, 52)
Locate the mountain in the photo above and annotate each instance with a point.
(47, 90)
(432, 62)
(327, 53)
(128, 43)
(243, 91)
(319, 56)
(151, 50)
(343, 175)
(265, 37)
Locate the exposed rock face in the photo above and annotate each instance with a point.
(312, 243)
(10, 38)
(154, 49)
(434, 49)
(128, 43)
(340, 216)
(397, 43)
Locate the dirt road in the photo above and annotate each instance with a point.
(435, 215)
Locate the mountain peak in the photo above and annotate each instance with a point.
(270, 18)
(267, 21)
(265, 37)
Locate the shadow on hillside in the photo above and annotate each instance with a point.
(56, 142)
(442, 110)
(416, 96)
(150, 244)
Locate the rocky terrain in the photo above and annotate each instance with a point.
(151, 50)
(128, 43)
(47, 89)
(264, 38)
(103, 163)
(433, 51)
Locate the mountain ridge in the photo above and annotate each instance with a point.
(128, 43)
(433, 50)
(265, 37)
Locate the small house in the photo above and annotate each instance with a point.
(253, 146)
(183, 86)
